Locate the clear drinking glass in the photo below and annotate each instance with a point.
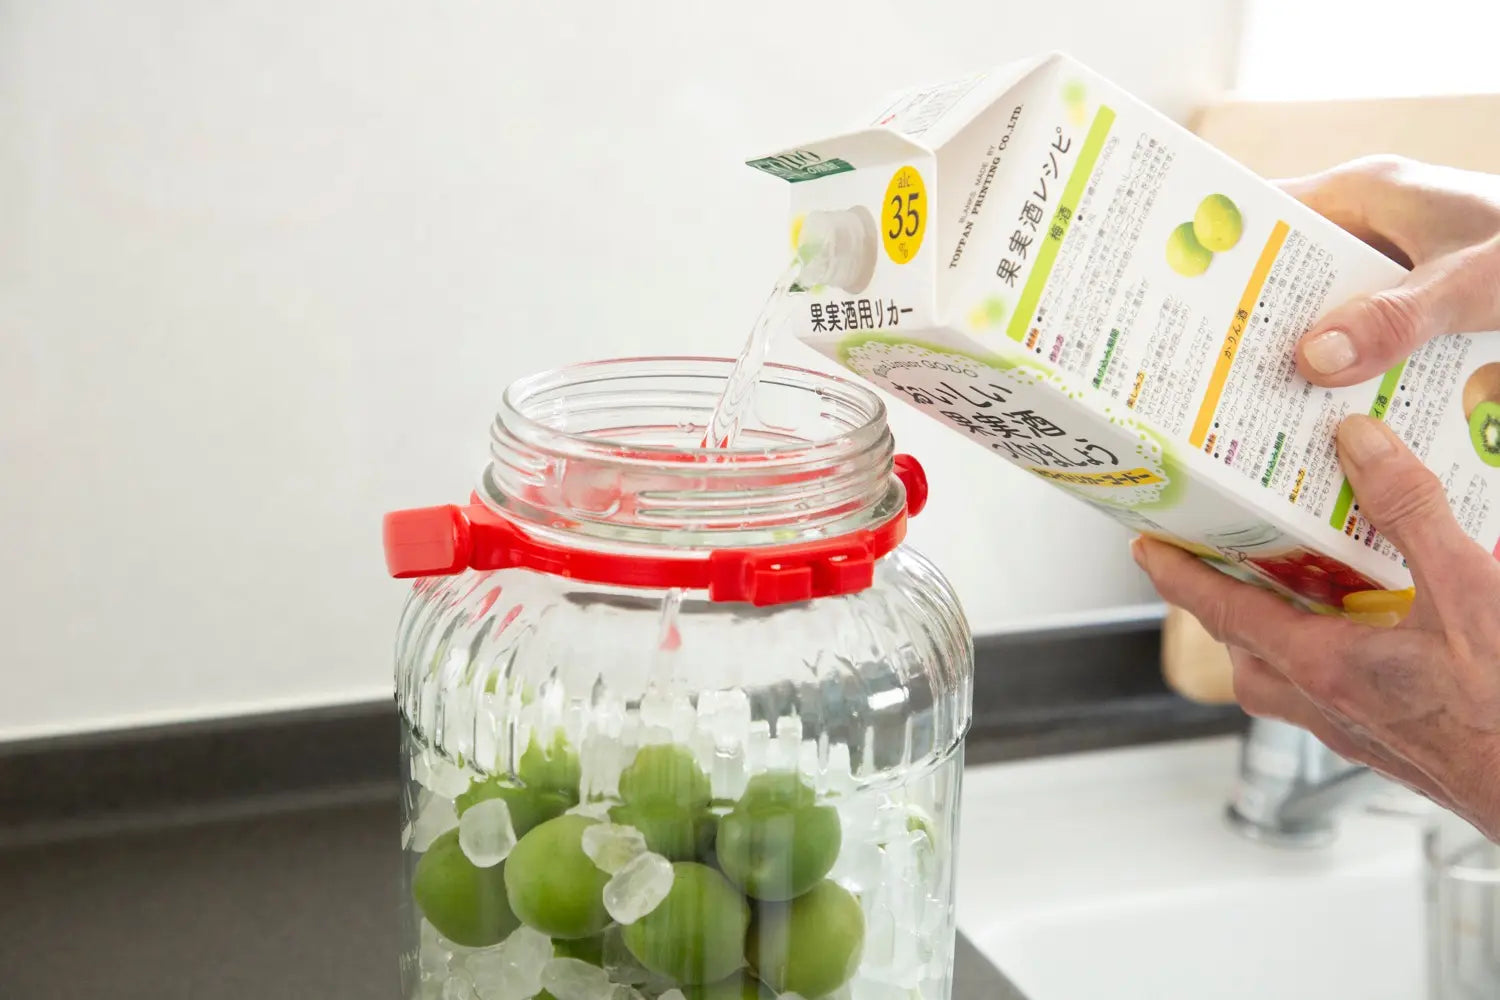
(1463, 911)
(615, 792)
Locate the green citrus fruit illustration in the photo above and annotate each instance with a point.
(467, 905)
(1484, 432)
(552, 885)
(697, 934)
(989, 313)
(1217, 223)
(1075, 99)
(1185, 254)
(810, 946)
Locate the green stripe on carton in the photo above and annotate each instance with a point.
(1377, 410)
(1341, 506)
(1062, 218)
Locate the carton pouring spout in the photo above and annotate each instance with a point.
(838, 248)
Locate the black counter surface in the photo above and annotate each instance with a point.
(257, 858)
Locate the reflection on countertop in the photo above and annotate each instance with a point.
(293, 904)
(258, 857)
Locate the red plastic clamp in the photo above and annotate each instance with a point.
(792, 573)
(441, 541)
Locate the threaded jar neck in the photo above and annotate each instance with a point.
(613, 450)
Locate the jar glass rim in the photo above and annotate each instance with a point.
(613, 449)
(519, 420)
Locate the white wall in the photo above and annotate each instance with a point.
(1317, 49)
(266, 266)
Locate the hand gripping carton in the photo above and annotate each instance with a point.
(1083, 288)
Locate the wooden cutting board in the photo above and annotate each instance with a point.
(1290, 138)
(1287, 139)
(1193, 664)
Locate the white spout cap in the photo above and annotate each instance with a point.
(838, 249)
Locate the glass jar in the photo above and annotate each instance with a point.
(679, 723)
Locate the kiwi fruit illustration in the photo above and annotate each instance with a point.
(1484, 432)
(1482, 386)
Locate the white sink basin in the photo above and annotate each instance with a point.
(1113, 875)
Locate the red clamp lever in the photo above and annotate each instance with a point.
(792, 573)
(914, 478)
(427, 541)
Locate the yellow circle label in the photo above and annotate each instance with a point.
(903, 221)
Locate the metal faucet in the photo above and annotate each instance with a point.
(1290, 786)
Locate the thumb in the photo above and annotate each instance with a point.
(1455, 293)
(1403, 500)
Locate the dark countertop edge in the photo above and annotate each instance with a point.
(975, 977)
(1037, 693)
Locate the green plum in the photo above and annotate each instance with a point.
(776, 788)
(665, 795)
(810, 946)
(740, 986)
(552, 885)
(467, 905)
(554, 768)
(697, 933)
(777, 843)
(665, 773)
(675, 832)
(529, 807)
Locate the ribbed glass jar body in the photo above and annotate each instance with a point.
(612, 789)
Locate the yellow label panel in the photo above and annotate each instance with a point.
(1116, 477)
(1237, 326)
(903, 221)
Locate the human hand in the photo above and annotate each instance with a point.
(1442, 222)
(1419, 702)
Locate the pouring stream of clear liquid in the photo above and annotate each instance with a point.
(739, 389)
(724, 424)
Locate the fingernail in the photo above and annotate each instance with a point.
(1138, 551)
(1363, 440)
(1329, 353)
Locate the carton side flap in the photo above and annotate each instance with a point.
(939, 113)
(850, 151)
